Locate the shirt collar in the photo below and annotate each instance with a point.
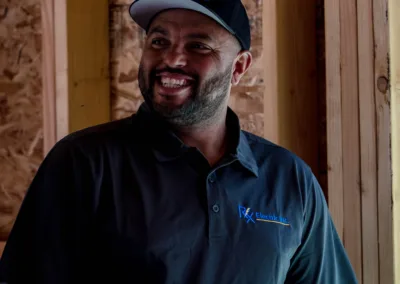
(167, 146)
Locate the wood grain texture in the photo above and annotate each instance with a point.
(270, 73)
(88, 63)
(382, 103)
(49, 87)
(351, 134)
(394, 24)
(369, 202)
(297, 86)
(290, 77)
(334, 114)
(61, 68)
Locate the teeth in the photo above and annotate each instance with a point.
(172, 83)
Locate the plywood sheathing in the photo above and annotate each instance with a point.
(20, 104)
(126, 48)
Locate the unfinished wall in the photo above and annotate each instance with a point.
(126, 47)
(20, 104)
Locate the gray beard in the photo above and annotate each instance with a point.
(206, 102)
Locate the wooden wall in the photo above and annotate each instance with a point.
(394, 23)
(358, 133)
(341, 128)
(290, 99)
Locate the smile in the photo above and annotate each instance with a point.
(173, 83)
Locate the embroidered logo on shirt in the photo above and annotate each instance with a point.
(249, 216)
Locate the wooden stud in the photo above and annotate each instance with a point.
(270, 73)
(88, 63)
(370, 255)
(48, 75)
(291, 88)
(334, 114)
(394, 24)
(62, 71)
(351, 134)
(78, 55)
(382, 104)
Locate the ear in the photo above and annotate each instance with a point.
(241, 64)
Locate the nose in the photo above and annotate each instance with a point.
(175, 57)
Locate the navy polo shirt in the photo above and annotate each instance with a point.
(128, 202)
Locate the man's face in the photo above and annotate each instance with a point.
(186, 67)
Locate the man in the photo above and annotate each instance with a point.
(177, 193)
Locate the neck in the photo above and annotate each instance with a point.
(210, 138)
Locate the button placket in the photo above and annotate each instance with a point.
(215, 207)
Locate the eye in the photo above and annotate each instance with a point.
(199, 47)
(158, 42)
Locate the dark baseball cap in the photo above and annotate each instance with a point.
(230, 14)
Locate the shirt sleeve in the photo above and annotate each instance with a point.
(321, 257)
(51, 229)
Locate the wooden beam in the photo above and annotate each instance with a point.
(369, 203)
(334, 114)
(291, 113)
(77, 65)
(48, 75)
(394, 24)
(61, 69)
(270, 74)
(88, 63)
(382, 104)
(351, 134)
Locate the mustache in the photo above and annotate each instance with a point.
(156, 72)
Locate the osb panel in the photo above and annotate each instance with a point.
(126, 48)
(20, 104)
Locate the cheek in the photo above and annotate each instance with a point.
(205, 68)
(150, 58)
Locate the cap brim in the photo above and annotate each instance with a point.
(143, 11)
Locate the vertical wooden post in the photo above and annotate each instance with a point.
(358, 133)
(394, 24)
(48, 75)
(291, 113)
(270, 71)
(350, 133)
(382, 104)
(88, 63)
(76, 61)
(334, 114)
(369, 204)
(61, 71)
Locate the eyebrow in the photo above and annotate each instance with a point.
(164, 32)
(159, 30)
(202, 36)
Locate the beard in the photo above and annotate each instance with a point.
(206, 101)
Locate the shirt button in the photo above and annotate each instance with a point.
(212, 179)
(215, 208)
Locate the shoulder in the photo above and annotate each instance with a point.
(103, 132)
(282, 169)
(276, 156)
(92, 142)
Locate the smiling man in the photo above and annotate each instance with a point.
(177, 193)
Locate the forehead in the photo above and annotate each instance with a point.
(185, 20)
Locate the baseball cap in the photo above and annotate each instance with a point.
(230, 14)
